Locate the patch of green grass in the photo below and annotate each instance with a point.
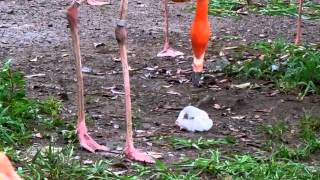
(251, 167)
(20, 114)
(276, 131)
(298, 153)
(181, 143)
(69, 134)
(230, 38)
(289, 66)
(308, 132)
(60, 163)
(225, 7)
(278, 162)
(309, 127)
(163, 171)
(311, 10)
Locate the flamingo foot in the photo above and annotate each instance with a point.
(97, 3)
(196, 77)
(169, 52)
(86, 140)
(136, 155)
(297, 40)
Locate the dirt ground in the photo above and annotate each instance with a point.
(35, 35)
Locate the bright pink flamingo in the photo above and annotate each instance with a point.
(85, 139)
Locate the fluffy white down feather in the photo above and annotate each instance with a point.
(194, 119)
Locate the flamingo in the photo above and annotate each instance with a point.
(200, 34)
(6, 169)
(167, 50)
(298, 32)
(86, 141)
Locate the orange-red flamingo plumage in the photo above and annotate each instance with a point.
(200, 35)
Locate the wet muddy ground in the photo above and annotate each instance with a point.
(35, 35)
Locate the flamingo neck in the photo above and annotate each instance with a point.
(202, 10)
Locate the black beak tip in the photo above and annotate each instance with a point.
(196, 77)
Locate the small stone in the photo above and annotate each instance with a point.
(77, 157)
(86, 69)
(262, 35)
(119, 148)
(88, 161)
(216, 106)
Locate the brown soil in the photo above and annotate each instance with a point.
(35, 35)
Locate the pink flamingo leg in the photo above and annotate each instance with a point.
(7, 171)
(122, 38)
(167, 50)
(298, 33)
(85, 139)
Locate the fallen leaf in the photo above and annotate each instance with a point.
(96, 45)
(87, 162)
(274, 93)
(241, 86)
(168, 107)
(238, 117)
(262, 57)
(86, 69)
(221, 53)
(216, 106)
(234, 129)
(34, 59)
(167, 86)
(118, 173)
(38, 135)
(117, 92)
(131, 69)
(119, 148)
(173, 92)
(266, 110)
(229, 48)
(35, 75)
(243, 12)
(116, 59)
(109, 88)
(223, 81)
(155, 155)
(245, 140)
(151, 68)
(262, 35)
(140, 131)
